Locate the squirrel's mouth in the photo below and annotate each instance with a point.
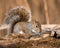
(35, 32)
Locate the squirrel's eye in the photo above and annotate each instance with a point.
(36, 26)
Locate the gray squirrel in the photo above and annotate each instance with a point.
(16, 15)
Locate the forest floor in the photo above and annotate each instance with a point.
(20, 42)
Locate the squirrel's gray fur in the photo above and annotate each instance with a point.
(33, 28)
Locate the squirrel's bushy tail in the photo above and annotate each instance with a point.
(17, 15)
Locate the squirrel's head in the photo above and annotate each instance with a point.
(36, 26)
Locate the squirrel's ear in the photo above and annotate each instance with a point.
(36, 21)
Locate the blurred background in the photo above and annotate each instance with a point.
(45, 11)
